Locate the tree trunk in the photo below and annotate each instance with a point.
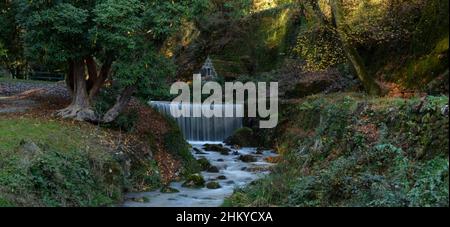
(84, 89)
(80, 108)
(371, 86)
(121, 103)
(101, 78)
(69, 78)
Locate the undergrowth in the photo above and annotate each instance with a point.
(357, 152)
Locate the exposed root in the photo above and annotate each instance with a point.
(77, 113)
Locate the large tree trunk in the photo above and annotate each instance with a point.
(371, 86)
(100, 77)
(80, 108)
(84, 87)
(69, 78)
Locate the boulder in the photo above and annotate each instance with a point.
(213, 169)
(216, 148)
(221, 177)
(213, 185)
(194, 181)
(168, 189)
(28, 147)
(243, 137)
(247, 158)
(259, 151)
(204, 163)
(141, 200)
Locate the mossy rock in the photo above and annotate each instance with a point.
(221, 177)
(204, 163)
(141, 200)
(168, 190)
(217, 148)
(247, 158)
(243, 137)
(213, 169)
(194, 181)
(213, 185)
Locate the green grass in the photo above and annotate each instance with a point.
(72, 168)
(50, 132)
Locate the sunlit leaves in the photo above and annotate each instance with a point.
(320, 48)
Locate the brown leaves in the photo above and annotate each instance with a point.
(370, 132)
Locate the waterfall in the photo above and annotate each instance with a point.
(203, 128)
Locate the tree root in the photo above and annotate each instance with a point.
(77, 113)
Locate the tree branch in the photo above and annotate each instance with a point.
(121, 102)
(102, 77)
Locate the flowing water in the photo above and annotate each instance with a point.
(203, 128)
(233, 172)
(237, 173)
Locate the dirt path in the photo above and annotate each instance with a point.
(23, 96)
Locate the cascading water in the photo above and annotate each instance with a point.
(203, 128)
(233, 172)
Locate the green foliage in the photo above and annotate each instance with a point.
(152, 71)
(175, 143)
(59, 175)
(383, 152)
(194, 181)
(11, 46)
(145, 176)
(431, 186)
(320, 48)
(128, 33)
(126, 121)
(62, 179)
(71, 166)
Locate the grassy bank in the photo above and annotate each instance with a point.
(49, 163)
(346, 150)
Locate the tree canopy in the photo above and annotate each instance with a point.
(112, 40)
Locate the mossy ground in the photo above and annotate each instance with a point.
(347, 150)
(89, 165)
(75, 167)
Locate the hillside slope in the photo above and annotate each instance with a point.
(346, 150)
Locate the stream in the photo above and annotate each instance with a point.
(237, 174)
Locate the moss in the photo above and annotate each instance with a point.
(167, 189)
(427, 67)
(5, 203)
(194, 181)
(213, 185)
(260, 41)
(68, 166)
(216, 148)
(62, 178)
(145, 175)
(360, 152)
(247, 158)
(175, 143)
(204, 163)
